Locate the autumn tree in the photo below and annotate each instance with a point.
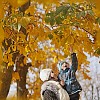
(21, 87)
(43, 30)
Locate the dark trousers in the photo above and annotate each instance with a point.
(75, 96)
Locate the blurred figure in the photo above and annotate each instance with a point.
(51, 89)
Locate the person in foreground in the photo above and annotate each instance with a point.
(68, 78)
(51, 89)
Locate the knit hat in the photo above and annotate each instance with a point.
(60, 64)
(44, 74)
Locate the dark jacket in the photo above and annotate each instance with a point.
(72, 86)
(52, 90)
(49, 95)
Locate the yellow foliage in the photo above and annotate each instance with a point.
(1, 56)
(74, 1)
(1, 33)
(8, 51)
(27, 49)
(25, 60)
(1, 11)
(37, 89)
(17, 3)
(81, 57)
(10, 64)
(21, 2)
(38, 32)
(9, 57)
(13, 3)
(52, 49)
(55, 59)
(96, 2)
(70, 40)
(24, 21)
(9, 60)
(98, 38)
(0, 84)
(86, 76)
(15, 76)
(12, 98)
(21, 65)
(55, 69)
(45, 2)
(66, 50)
(30, 10)
(22, 50)
(5, 59)
(14, 48)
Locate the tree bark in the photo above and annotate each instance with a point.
(6, 81)
(7, 74)
(21, 84)
(98, 93)
(92, 91)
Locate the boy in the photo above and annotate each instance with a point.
(68, 79)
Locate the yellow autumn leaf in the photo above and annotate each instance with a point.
(52, 48)
(25, 60)
(13, 3)
(66, 52)
(45, 2)
(21, 49)
(1, 56)
(14, 48)
(98, 38)
(86, 76)
(55, 69)
(21, 36)
(17, 3)
(70, 40)
(24, 21)
(1, 10)
(55, 59)
(21, 65)
(0, 84)
(9, 50)
(74, 1)
(21, 2)
(66, 49)
(1, 34)
(10, 63)
(81, 57)
(5, 59)
(10, 57)
(96, 2)
(27, 49)
(30, 10)
(15, 76)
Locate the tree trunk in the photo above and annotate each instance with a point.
(92, 91)
(97, 93)
(21, 84)
(6, 81)
(7, 74)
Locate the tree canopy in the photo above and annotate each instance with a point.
(42, 30)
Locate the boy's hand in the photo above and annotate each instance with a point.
(62, 83)
(71, 48)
